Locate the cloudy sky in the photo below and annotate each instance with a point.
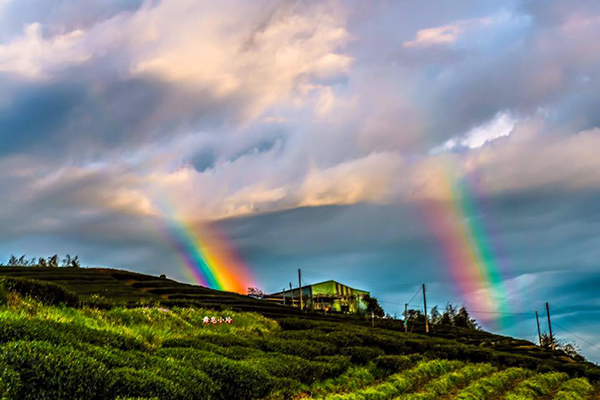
(317, 135)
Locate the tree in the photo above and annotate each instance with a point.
(66, 262)
(434, 316)
(255, 292)
(415, 317)
(573, 351)
(42, 262)
(373, 306)
(75, 262)
(13, 261)
(546, 341)
(53, 261)
(463, 320)
(448, 315)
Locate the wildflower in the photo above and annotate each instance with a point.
(213, 320)
(221, 320)
(229, 320)
(206, 320)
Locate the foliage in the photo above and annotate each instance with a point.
(537, 386)
(575, 389)
(493, 384)
(451, 317)
(165, 352)
(450, 382)
(46, 292)
(570, 349)
(48, 371)
(256, 292)
(373, 307)
(51, 262)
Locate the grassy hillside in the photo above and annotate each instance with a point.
(54, 346)
(123, 287)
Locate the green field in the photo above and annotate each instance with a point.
(134, 343)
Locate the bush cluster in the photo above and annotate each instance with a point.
(53, 351)
(45, 292)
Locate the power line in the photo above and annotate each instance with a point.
(415, 295)
(577, 336)
(478, 311)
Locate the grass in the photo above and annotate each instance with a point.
(538, 386)
(58, 344)
(493, 385)
(576, 389)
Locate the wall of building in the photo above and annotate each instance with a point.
(329, 296)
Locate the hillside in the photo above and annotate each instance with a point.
(52, 345)
(125, 287)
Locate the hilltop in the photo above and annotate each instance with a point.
(104, 333)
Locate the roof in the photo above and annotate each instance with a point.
(320, 283)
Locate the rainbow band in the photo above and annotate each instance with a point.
(467, 248)
(207, 257)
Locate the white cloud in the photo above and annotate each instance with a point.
(445, 34)
(255, 51)
(34, 56)
(500, 126)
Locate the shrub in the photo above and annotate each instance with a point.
(575, 389)
(451, 382)
(48, 371)
(71, 333)
(187, 355)
(362, 355)
(494, 384)
(302, 348)
(392, 364)
(45, 292)
(194, 383)
(115, 358)
(537, 386)
(129, 382)
(335, 365)
(237, 380)
(297, 324)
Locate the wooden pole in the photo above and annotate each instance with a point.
(405, 317)
(537, 319)
(550, 326)
(291, 294)
(300, 287)
(425, 308)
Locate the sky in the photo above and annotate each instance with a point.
(384, 144)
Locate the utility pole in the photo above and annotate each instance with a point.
(405, 317)
(550, 326)
(425, 308)
(283, 295)
(300, 286)
(292, 294)
(537, 319)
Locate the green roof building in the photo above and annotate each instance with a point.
(328, 296)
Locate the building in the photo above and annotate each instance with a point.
(328, 296)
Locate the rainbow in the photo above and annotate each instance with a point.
(469, 249)
(207, 257)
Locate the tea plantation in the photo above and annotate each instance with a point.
(57, 343)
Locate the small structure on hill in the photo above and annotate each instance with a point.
(328, 296)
